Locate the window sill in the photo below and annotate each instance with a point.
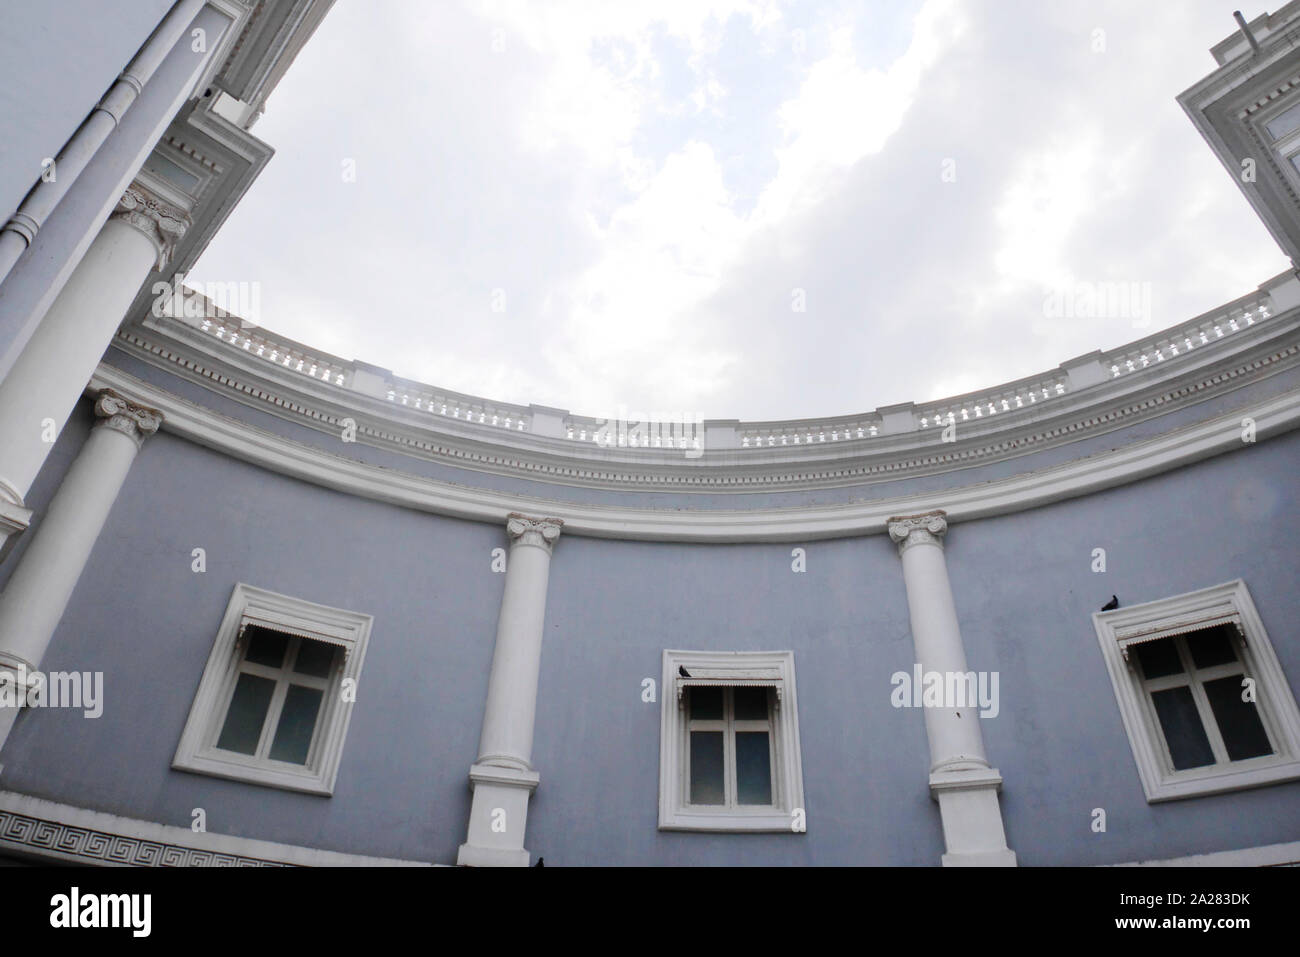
(1194, 783)
(218, 764)
(730, 820)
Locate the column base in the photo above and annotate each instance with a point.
(972, 819)
(498, 817)
(1005, 858)
(470, 855)
(14, 520)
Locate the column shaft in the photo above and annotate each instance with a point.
(503, 776)
(961, 779)
(955, 739)
(507, 737)
(35, 597)
(51, 374)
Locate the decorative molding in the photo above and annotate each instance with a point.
(1077, 478)
(62, 832)
(1277, 705)
(927, 528)
(116, 412)
(542, 532)
(161, 223)
(301, 398)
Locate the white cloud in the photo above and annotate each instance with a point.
(648, 181)
(845, 111)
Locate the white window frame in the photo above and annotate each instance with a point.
(350, 631)
(770, 669)
(1229, 603)
(1287, 146)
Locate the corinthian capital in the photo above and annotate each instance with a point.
(926, 528)
(161, 222)
(524, 530)
(136, 422)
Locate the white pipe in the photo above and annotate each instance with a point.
(20, 231)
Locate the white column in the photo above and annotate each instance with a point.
(49, 377)
(961, 779)
(37, 594)
(503, 777)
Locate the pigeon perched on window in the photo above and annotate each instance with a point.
(541, 862)
(1111, 605)
(683, 672)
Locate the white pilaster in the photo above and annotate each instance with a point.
(36, 595)
(49, 377)
(961, 779)
(503, 777)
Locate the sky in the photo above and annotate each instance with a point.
(738, 208)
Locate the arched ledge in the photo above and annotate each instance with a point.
(1166, 375)
(1083, 476)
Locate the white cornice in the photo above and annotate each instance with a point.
(1193, 376)
(802, 523)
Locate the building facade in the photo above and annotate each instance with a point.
(264, 604)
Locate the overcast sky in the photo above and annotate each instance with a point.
(615, 204)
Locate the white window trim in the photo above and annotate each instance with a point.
(1274, 698)
(197, 751)
(773, 669)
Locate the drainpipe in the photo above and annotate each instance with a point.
(18, 233)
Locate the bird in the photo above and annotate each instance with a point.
(683, 672)
(1111, 605)
(541, 862)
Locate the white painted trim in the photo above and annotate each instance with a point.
(674, 814)
(197, 751)
(789, 524)
(1266, 855)
(30, 825)
(1275, 699)
(1217, 366)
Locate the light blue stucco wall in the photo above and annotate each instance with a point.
(1022, 584)
(63, 55)
(615, 606)
(1025, 593)
(147, 621)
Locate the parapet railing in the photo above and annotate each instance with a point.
(695, 434)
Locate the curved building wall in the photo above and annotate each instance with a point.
(1023, 588)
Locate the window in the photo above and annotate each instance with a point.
(1203, 698)
(729, 744)
(1279, 124)
(275, 698)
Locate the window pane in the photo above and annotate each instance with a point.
(1288, 121)
(297, 722)
(751, 704)
(1243, 732)
(706, 704)
(706, 767)
(247, 713)
(1188, 745)
(753, 768)
(265, 647)
(1212, 646)
(1159, 658)
(315, 658)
